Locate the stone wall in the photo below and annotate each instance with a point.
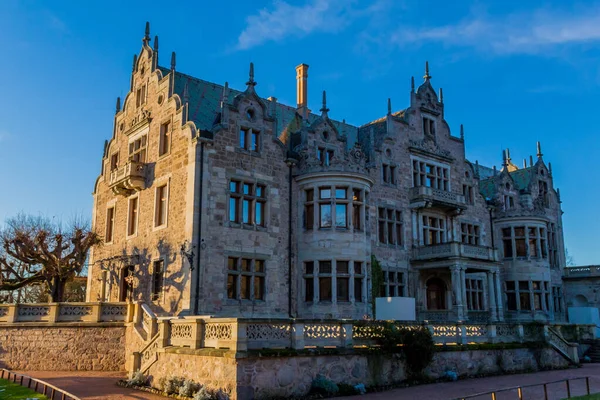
(267, 377)
(64, 347)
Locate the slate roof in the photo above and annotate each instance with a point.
(205, 106)
(487, 185)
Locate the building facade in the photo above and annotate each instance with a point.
(216, 201)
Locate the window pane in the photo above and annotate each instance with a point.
(520, 231)
(324, 267)
(511, 301)
(340, 216)
(246, 211)
(356, 221)
(247, 188)
(309, 216)
(233, 202)
(243, 138)
(246, 264)
(309, 289)
(357, 267)
(341, 267)
(259, 285)
(231, 286)
(343, 286)
(310, 194)
(340, 193)
(259, 265)
(523, 285)
(510, 285)
(254, 144)
(245, 287)
(325, 211)
(325, 193)
(358, 290)
(356, 195)
(258, 215)
(521, 247)
(309, 267)
(325, 289)
(508, 251)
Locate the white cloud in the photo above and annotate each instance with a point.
(286, 20)
(524, 33)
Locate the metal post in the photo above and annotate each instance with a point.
(568, 389)
(520, 393)
(545, 392)
(587, 384)
(493, 395)
(2, 375)
(21, 380)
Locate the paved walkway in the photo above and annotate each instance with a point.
(101, 385)
(92, 385)
(452, 390)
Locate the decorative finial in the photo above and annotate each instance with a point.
(495, 172)
(389, 106)
(477, 166)
(427, 76)
(531, 161)
(558, 194)
(156, 43)
(412, 84)
(225, 97)
(173, 59)
(462, 132)
(134, 62)
(146, 38)
(441, 96)
(524, 163)
(504, 158)
(186, 94)
(324, 109)
(550, 168)
(251, 82)
(539, 150)
(118, 105)
(508, 155)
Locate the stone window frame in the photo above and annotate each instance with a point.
(395, 287)
(315, 273)
(238, 274)
(141, 95)
(544, 192)
(140, 154)
(475, 293)
(325, 154)
(468, 193)
(539, 240)
(552, 245)
(161, 138)
(442, 173)
(254, 199)
(354, 203)
(427, 126)
(557, 299)
(158, 296)
(249, 132)
(109, 239)
(129, 233)
(508, 202)
(470, 233)
(162, 183)
(334, 202)
(113, 161)
(442, 231)
(389, 175)
(384, 222)
(520, 290)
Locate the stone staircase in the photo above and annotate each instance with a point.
(594, 351)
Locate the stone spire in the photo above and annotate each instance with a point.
(251, 83)
(508, 159)
(118, 105)
(531, 161)
(504, 159)
(462, 132)
(427, 77)
(134, 62)
(186, 93)
(146, 38)
(441, 96)
(225, 96)
(412, 84)
(389, 106)
(524, 163)
(173, 61)
(156, 43)
(550, 168)
(539, 150)
(324, 109)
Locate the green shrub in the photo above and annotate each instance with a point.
(346, 390)
(418, 351)
(324, 386)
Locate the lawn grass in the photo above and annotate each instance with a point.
(14, 391)
(587, 397)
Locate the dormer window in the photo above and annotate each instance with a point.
(325, 155)
(543, 193)
(428, 127)
(508, 202)
(250, 114)
(249, 139)
(388, 174)
(140, 96)
(325, 135)
(114, 161)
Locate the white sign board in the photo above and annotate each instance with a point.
(395, 308)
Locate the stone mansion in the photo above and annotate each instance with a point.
(217, 201)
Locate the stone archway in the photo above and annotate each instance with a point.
(580, 301)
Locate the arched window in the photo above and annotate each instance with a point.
(436, 294)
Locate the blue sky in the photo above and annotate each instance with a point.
(513, 72)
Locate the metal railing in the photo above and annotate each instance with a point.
(519, 390)
(37, 385)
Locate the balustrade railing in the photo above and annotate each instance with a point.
(455, 249)
(66, 312)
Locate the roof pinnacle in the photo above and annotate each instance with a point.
(412, 84)
(324, 109)
(427, 76)
(539, 150)
(146, 38)
(134, 62)
(173, 61)
(155, 43)
(118, 105)
(462, 132)
(389, 106)
(441, 96)
(186, 93)
(251, 82)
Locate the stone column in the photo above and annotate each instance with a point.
(457, 292)
(498, 290)
(492, 296)
(463, 292)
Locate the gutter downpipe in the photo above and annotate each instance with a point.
(290, 182)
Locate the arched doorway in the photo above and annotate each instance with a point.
(436, 294)
(580, 301)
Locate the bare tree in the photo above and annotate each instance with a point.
(35, 250)
(569, 259)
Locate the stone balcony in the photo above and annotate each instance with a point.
(455, 250)
(425, 197)
(128, 178)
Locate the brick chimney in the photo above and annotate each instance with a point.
(302, 90)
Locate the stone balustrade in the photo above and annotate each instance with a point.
(455, 249)
(574, 272)
(423, 196)
(66, 312)
(130, 177)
